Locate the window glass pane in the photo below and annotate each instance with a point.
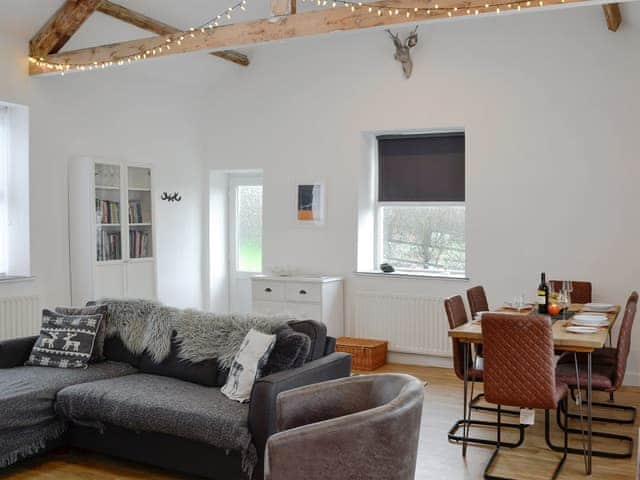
(424, 238)
(249, 228)
(4, 222)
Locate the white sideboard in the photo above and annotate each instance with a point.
(317, 298)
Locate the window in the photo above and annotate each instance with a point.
(4, 223)
(245, 212)
(420, 203)
(249, 228)
(14, 191)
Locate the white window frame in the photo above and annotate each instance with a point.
(4, 200)
(378, 248)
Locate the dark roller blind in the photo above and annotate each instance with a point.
(421, 168)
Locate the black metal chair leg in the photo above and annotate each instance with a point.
(558, 468)
(612, 406)
(483, 408)
(454, 438)
(596, 453)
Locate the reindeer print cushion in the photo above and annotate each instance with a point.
(66, 341)
(248, 364)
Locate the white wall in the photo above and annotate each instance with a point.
(548, 101)
(130, 115)
(550, 107)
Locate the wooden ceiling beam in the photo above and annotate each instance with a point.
(612, 15)
(152, 25)
(61, 26)
(254, 32)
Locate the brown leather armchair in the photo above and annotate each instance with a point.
(364, 427)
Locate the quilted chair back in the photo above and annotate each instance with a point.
(624, 339)
(477, 299)
(519, 367)
(581, 290)
(457, 315)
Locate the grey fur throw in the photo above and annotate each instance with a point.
(144, 325)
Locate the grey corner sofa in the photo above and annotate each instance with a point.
(114, 409)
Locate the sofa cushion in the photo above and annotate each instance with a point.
(66, 341)
(316, 331)
(116, 351)
(203, 373)
(27, 397)
(97, 355)
(153, 403)
(290, 351)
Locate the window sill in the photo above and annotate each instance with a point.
(436, 276)
(15, 279)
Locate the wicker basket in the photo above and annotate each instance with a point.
(365, 354)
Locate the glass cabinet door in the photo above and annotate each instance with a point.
(108, 212)
(139, 212)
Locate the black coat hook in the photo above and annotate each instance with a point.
(171, 197)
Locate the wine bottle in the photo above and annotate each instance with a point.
(543, 295)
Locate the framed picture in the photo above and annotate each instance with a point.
(310, 203)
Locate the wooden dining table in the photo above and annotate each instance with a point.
(563, 340)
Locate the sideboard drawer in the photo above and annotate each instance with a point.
(304, 292)
(267, 290)
(303, 311)
(270, 308)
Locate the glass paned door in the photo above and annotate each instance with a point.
(139, 212)
(108, 212)
(249, 228)
(245, 238)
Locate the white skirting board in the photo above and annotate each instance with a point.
(19, 316)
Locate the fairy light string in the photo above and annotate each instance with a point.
(376, 9)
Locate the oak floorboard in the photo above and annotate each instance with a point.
(437, 459)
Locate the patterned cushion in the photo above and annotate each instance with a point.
(98, 347)
(66, 341)
(248, 364)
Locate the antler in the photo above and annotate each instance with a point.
(412, 39)
(395, 37)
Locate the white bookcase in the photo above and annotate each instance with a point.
(111, 230)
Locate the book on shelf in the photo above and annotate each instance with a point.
(135, 211)
(109, 246)
(139, 244)
(107, 211)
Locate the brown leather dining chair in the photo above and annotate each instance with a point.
(519, 370)
(608, 370)
(581, 290)
(457, 316)
(363, 427)
(477, 299)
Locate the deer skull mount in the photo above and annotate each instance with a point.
(403, 54)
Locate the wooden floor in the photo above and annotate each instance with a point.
(437, 459)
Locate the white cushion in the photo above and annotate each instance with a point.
(247, 365)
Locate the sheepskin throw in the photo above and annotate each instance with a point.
(145, 325)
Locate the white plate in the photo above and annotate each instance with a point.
(586, 318)
(599, 323)
(599, 307)
(582, 330)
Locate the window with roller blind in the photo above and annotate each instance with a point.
(420, 203)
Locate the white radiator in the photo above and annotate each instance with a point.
(19, 316)
(411, 324)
